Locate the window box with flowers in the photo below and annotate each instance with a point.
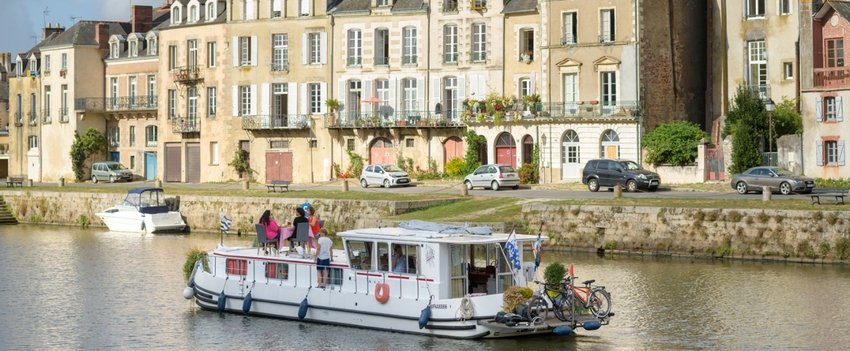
(527, 56)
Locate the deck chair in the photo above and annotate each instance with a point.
(261, 238)
(302, 234)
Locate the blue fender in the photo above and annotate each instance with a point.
(562, 330)
(424, 316)
(591, 325)
(222, 299)
(246, 304)
(302, 310)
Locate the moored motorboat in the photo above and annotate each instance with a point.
(412, 279)
(142, 210)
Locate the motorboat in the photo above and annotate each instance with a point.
(143, 210)
(414, 278)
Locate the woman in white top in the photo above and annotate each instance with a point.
(324, 254)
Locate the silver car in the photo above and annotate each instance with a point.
(778, 179)
(385, 174)
(110, 170)
(493, 177)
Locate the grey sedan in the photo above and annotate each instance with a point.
(493, 177)
(778, 179)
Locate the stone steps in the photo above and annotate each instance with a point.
(6, 216)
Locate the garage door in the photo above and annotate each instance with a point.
(173, 163)
(193, 162)
(278, 166)
(453, 147)
(506, 150)
(381, 151)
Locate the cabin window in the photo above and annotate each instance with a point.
(459, 255)
(277, 270)
(404, 261)
(237, 267)
(335, 276)
(504, 277)
(360, 254)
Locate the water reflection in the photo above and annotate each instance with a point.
(68, 288)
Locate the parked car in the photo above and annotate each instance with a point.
(386, 174)
(608, 173)
(778, 179)
(110, 170)
(493, 176)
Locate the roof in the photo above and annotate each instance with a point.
(397, 234)
(408, 5)
(163, 21)
(353, 6)
(85, 33)
(520, 6)
(840, 6)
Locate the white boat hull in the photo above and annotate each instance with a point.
(135, 222)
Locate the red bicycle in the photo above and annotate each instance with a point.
(575, 299)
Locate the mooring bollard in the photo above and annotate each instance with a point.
(463, 190)
(158, 183)
(61, 182)
(245, 185)
(345, 185)
(618, 191)
(765, 193)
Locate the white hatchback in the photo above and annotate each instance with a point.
(493, 177)
(386, 175)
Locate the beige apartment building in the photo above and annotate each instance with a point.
(5, 67)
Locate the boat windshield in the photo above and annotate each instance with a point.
(144, 199)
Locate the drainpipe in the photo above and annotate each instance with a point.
(637, 82)
(40, 138)
(428, 82)
(330, 93)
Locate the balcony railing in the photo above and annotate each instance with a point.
(45, 113)
(33, 117)
(584, 109)
(264, 122)
(762, 90)
(63, 114)
(479, 56)
(450, 57)
(150, 143)
(191, 74)
(114, 142)
(410, 59)
(122, 103)
(399, 119)
(354, 61)
(838, 77)
(569, 39)
(382, 61)
(450, 6)
(280, 66)
(185, 125)
(606, 38)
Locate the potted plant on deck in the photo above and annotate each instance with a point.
(333, 106)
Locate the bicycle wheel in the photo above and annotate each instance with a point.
(599, 303)
(539, 306)
(565, 310)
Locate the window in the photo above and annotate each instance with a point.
(237, 267)
(784, 7)
(479, 42)
(193, 13)
(172, 57)
(248, 10)
(64, 61)
(408, 142)
(349, 144)
(450, 44)
(33, 107)
(835, 53)
(755, 8)
(304, 7)
(211, 11)
(211, 102)
(355, 40)
(478, 4)
(609, 88)
(313, 143)
(19, 119)
(383, 2)
(192, 108)
(132, 162)
(315, 97)
(134, 48)
(831, 152)
(829, 108)
(175, 13)
(132, 136)
(150, 136)
(526, 44)
(33, 142)
(63, 111)
(278, 144)
(411, 100)
(315, 40)
(113, 93)
(758, 67)
(409, 54)
(788, 70)
(152, 91)
(172, 103)
(114, 50)
(193, 53)
(382, 47)
(524, 88)
(46, 64)
(211, 58)
(245, 100)
(213, 152)
(606, 33)
(152, 46)
(133, 91)
(277, 10)
(360, 254)
(277, 270)
(114, 137)
(244, 51)
(280, 52)
(397, 258)
(47, 104)
(570, 88)
(570, 32)
(382, 88)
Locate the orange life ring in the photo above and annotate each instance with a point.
(382, 292)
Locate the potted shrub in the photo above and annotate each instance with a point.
(554, 273)
(333, 105)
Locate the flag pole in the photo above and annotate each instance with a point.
(510, 264)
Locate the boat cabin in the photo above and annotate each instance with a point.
(146, 200)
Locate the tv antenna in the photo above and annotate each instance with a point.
(73, 18)
(45, 12)
(34, 38)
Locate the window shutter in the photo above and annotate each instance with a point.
(744, 8)
(292, 98)
(249, 9)
(839, 109)
(818, 109)
(235, 100)
(420, 94)
(323, 36)
(342, 95)
(305, 48)
(254, 43)
(393, 98)
(305, 99)
(841, 152)
(435, 93)
(461, 92)
(819, 152)
(235, 49)
(367, 89)
(568, 28)
(254, 100)
(323, 90)
(612, 27)
(266, 102)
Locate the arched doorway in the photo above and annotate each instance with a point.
(527, 149)
(381, 151)
(452, 147)
(506, 149)
(570, 156)
(609, 146)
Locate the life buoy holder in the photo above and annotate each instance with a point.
(382, 292)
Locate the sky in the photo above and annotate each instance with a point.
(21, 21)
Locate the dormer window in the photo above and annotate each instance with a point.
(152, 47)
(193, 13)
(175, 14)
(114, 50)
(211, 10)
(19, 68)
(134, 48)
(32, 66)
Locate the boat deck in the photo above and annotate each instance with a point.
(547, 326)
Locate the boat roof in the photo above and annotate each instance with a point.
(413, 235)
(141, 190)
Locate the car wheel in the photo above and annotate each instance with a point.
(468, 185)
(111, 179)
(593, 185)
(364, 183)
(94, 179)
(386, 183)
(494, 185)
(741, 187)
(515, 187)
(631, 186)
(785, 188)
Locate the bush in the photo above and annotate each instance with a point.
(832, 183)
(747, 122)
(455, 167)
(515, 296)
(554, 273)
(528, 174)
(426, 174)
(673, 143)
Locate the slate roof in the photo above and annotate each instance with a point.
(520, 6)
(84, 33)
(4, 90)
(164, 21)
(842, 7)
(408, 6)
(353, 6)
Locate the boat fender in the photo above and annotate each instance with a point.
(222, 300)
(188, 292)
(246, 304)
(143, 226)
(424, 316)
(302, 310)
(591, 325)
(382, 292)
(562, 330)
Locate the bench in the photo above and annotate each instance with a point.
(12, 181)
(837, 193)
(278, 185)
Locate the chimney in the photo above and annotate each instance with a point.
(7, 62)
(142, 18)
(47, 32)
(102, 35)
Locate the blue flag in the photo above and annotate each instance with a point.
(513, 251)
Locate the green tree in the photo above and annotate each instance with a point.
(87, 146)
(786, 120)
(241, 164)
(745, 149)
(673, 143)
(473, 142)
(747, 122)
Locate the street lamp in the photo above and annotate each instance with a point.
(769, 106)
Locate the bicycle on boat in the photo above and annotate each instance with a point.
(577, 299)
(548, 295)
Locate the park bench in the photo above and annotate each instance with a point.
(12, 181)
(837, 193)
(278, 185)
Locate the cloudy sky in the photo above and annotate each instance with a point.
(22, 20)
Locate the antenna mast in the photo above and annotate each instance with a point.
(45, 12)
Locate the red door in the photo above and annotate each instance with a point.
(506, 150)
(381, 152)
(453, 147)
(278, 166)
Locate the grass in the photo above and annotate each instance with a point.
(478, 209)
(751, 204)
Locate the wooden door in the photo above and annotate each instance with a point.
(173, 163)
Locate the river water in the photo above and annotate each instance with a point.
(68, 288)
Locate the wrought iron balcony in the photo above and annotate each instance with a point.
(479, 56)
(582, 109)
(569, 39)
(607, 38)
(45, 113)
(268, 122)
(382, 61)
(188, 75)
(450, 6)
(763, 90)
(354, 61)
(450, 57)
(410, 59)
(185, 125)
(399, 119)
(280, 66)
(122, 103)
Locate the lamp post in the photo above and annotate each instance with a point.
(769, 106)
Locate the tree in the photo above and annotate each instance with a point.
(87, 146)
(241, 164)
(747, 122)
(473, 141)
(786, 120)
(745, 149)
(673, 143)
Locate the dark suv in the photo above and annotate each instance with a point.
(608, 173)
